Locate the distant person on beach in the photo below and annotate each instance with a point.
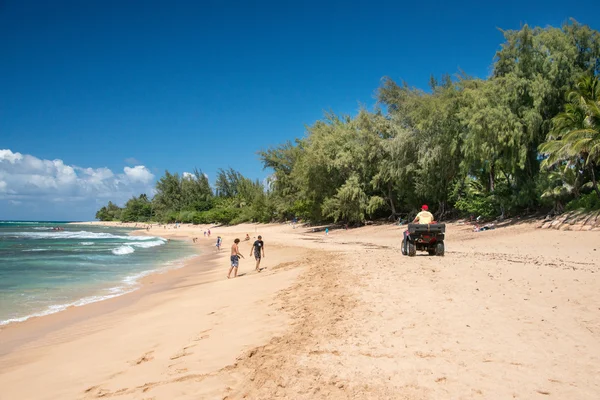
(209, 233)
(326, 231)
(235, 258)
(247, 237)
(219, 242)
(257, 247)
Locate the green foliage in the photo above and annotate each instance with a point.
(528, 137)
(137, 209)
(575, 136)
(587, 202)
(348, 204)
(110, 212)
(473, 200)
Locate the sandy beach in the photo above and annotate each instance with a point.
(511, 313)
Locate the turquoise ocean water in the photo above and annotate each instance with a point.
(43, 270)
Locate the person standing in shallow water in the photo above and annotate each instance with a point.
(257, 247)
(235, 258)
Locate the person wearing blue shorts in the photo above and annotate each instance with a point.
(235, 258)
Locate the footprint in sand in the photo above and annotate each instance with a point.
(202, 335)
(174, 370)
(182, 353)
(145, 358)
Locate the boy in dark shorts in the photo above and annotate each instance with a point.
(257, 247)
(235, 258)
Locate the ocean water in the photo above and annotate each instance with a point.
(43, 270)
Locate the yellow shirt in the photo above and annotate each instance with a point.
(424, 217)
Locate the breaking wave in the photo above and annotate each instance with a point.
(123, 250)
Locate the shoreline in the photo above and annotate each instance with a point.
(18, 333)
(186, 322)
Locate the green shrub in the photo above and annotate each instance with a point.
(477, 205)
(587, 202)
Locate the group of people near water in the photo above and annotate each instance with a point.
(257, 249)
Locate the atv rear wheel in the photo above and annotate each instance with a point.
(432, 252)
(412, 249)
(439, 249)
(403, 248)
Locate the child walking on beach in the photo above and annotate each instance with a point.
(235, 258)
(257, 247)
(219, 242)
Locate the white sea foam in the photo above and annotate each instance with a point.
(77, 235)
(86, 243)
(130, 284)
(60, 307)
(35, 250)
(23, 222)
(122, 250)
(147, 244)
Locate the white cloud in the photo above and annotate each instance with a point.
(139, 174)
(7, 155)
(31, 181)
(189, 175)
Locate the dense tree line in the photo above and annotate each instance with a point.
(526, 138)
(190, 198)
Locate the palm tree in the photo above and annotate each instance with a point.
(563, 185)
(575, 137)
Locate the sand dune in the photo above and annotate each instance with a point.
(508, 313)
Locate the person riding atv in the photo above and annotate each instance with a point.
(423, 217)
(424, 234)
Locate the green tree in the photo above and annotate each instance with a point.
(575, 138)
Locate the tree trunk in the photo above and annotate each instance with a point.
(492, 178)
(507, 178)
(576, 184)
(391, 199)
(441, 210)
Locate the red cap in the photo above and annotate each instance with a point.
(425, 207)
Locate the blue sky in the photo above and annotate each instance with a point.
(104, 85)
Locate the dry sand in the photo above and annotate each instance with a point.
(508, 313)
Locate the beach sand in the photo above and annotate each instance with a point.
(508, 313)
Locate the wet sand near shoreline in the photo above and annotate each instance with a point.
(508, 313)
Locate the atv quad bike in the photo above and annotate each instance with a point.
(424, 237)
